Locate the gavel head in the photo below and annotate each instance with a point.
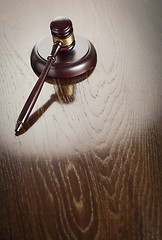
(62, 31)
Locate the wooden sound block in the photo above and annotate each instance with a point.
(81, 59)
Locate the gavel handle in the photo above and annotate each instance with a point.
(37, 88)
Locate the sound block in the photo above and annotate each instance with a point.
(81, 59)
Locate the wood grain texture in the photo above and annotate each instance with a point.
(87, 166)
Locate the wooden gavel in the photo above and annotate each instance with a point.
(63, 40)
(65, 60)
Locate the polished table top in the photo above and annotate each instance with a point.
(88, 168)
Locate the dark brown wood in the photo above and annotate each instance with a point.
(62, 28)
(79, 60)
(89, 166)
(29, 104)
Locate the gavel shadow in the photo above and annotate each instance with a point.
(65, 93)
(37, 114)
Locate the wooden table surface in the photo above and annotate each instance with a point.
(89, 168)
